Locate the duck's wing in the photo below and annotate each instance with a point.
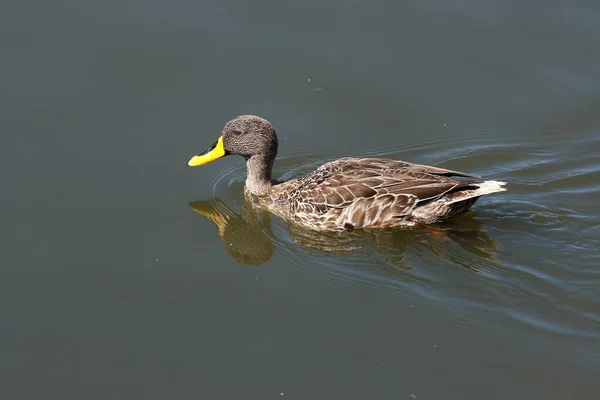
(357, 192)
(386, 167)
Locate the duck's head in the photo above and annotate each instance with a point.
(247, 136)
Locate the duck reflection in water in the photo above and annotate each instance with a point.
(249, 240)
(244, 239)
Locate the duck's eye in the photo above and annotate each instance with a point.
(237, 132)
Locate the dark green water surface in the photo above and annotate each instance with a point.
(124, 274)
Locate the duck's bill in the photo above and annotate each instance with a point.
(215, 151)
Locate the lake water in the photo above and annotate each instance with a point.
(126, 274)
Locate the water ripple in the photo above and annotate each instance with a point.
(513, 256)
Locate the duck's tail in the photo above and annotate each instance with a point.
(486, 187)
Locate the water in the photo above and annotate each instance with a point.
(113, 286)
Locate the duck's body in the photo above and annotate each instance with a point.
(354, 193)
(349, 193)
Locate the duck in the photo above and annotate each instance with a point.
(347, 193)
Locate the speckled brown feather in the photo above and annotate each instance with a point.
(353, 193)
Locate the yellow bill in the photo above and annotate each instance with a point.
(216, 151)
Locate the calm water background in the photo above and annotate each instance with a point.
(111, 286)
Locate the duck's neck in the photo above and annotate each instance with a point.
(259, 168)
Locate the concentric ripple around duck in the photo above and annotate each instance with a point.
(510, 258)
